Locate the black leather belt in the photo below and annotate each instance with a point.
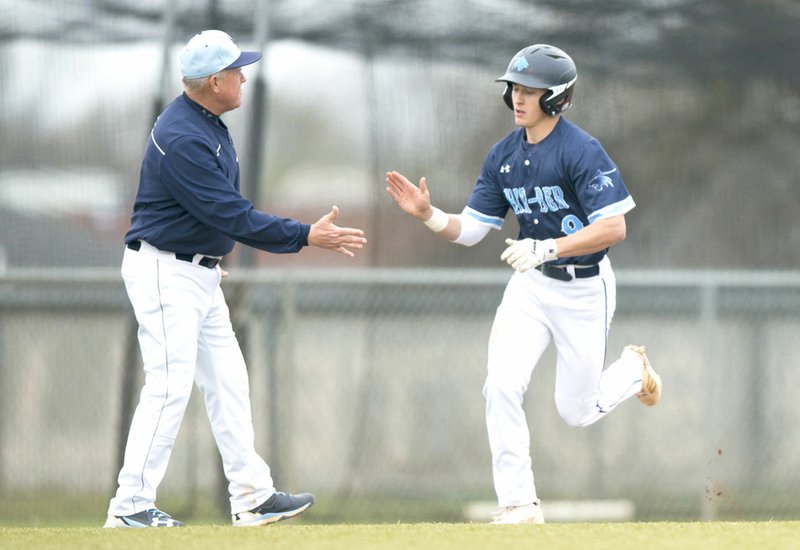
(205, 261)
(560, 273)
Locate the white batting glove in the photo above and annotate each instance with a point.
(526, 254)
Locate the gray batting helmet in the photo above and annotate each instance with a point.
(544, 67)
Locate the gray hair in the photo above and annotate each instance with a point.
(195, 84)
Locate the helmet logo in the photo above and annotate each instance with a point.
(520, 64)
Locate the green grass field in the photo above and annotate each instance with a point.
(617, 536)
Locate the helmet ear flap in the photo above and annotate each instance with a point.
(553, 104)
(507, 96)
(545, 103)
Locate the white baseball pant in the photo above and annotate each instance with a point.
(575, 315)
(185, 336)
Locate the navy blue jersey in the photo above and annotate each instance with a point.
(554, 187)
(188, 200)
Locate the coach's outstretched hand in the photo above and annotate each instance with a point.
(326, 234)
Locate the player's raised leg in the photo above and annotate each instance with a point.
(585, 392)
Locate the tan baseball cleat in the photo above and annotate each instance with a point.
(651, 381)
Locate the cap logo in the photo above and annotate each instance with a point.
(520, 64)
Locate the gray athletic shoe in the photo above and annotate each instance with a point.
(277, 507)
(149, 518)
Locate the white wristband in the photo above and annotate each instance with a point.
(438, 221)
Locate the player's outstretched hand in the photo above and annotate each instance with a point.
(414, 201)
(326, 234)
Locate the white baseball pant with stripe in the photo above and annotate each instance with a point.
(186, 337)
(575, 315)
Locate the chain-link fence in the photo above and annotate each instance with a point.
(366, 389)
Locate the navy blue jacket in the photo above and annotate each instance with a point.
(188, 200)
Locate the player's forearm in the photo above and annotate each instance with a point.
(592, 238)
(445, 225)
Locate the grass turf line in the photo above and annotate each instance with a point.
(767, 535)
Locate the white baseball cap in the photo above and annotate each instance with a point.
(211, 51)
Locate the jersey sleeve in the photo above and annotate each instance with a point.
(201, 186)
(598, 183)
(488, 204)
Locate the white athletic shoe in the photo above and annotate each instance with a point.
(517, 515)
(651, 381)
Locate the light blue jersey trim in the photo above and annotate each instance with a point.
(492, 221)
(616, 209)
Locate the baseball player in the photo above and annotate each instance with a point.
(187, 214)
(570, 202)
